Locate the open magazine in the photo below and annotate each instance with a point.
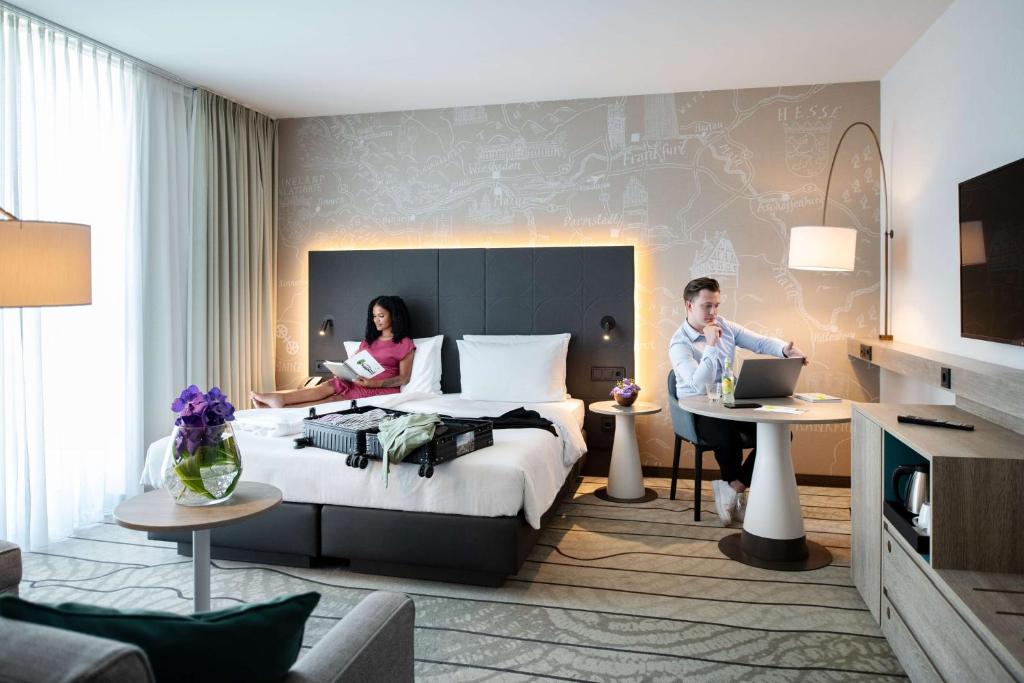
(361, 364)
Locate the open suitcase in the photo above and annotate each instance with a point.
(454, 438)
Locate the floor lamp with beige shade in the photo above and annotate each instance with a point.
(821, 247)
(43, 263)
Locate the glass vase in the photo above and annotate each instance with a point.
(203, 465)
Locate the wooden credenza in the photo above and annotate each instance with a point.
(955, 613)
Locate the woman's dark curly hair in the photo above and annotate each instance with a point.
(399, 318)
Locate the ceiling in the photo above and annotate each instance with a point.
(310, 57)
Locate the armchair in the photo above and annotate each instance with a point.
(373, 643)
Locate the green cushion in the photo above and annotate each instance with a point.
(257, 642)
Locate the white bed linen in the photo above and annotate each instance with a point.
(523, 470)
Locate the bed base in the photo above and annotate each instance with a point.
(463, 549)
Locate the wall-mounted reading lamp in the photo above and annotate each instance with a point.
(607, 324)
(326, 325)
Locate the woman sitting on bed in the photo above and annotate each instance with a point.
(387, 339)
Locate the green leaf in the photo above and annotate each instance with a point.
(188, 472)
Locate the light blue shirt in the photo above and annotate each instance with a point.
(696, 364)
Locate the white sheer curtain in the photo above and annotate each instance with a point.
(87, 137)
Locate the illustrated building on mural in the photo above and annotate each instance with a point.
(616, 126)
(488, 212)
(468, 116)
(634, 209)
(660, 120)
(717, 258)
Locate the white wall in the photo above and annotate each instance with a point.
(952, 108)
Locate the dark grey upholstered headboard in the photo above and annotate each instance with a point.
(454, 292)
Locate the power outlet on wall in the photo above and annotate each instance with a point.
(606, 374)
(607, 424)
(946, 378)
(865, 352)
(320, 366)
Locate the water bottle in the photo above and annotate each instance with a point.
(728, 384)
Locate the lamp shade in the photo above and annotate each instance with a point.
(817, 247)
(44, 264)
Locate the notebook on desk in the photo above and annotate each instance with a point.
(768, 377)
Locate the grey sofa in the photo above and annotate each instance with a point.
(10, 567)
(374, 642)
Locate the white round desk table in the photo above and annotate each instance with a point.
(773, 527)
(625, 477)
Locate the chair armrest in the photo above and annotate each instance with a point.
(374, 642)
(30, 652)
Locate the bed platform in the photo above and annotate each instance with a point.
(480, 551)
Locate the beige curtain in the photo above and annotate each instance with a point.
(234, 249)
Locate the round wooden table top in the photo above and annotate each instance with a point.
(157, 511)
(613, 408)
(816, 413)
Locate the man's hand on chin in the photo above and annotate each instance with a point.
(712, 333)
(791, 351)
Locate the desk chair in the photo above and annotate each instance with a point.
(685, 427)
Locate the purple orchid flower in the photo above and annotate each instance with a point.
(200, 418)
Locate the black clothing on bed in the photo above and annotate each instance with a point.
(521, 418)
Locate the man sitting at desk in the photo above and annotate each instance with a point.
(698, 351)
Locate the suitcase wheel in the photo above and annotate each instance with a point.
(430, 471)
(348, 460)
(423, 470)
(363, 462)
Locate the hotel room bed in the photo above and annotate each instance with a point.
(476, 519)
(473, 521)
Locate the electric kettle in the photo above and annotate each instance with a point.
(915, 493)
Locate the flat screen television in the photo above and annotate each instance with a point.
(992, 255)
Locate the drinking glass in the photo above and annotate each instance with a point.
(714, 391)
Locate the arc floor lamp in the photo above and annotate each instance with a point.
(821, 247)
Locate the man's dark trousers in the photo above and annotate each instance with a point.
(724, 437)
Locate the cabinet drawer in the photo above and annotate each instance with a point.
(901, 640)
(953, 648)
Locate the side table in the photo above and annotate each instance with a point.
(625, 477)
(157, 511)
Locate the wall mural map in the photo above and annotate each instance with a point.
(702, 183)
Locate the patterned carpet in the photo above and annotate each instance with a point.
(611, 592)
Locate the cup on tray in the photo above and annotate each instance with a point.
(923, 521)
(714, 391)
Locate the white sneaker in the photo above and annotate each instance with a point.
(741, 507)
(725, 500)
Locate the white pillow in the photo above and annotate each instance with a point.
(426, 364)
(529, 371)
(506, 338)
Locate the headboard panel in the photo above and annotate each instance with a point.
(454, 292)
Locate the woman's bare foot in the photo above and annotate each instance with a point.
(266, 400)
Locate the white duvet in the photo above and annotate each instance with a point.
(523, 470)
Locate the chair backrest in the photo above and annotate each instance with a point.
(682, 420)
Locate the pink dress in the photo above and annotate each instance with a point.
(388, 354)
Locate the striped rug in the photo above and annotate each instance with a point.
(611, 592)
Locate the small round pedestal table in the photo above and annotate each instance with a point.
(625, 478)
(773, 527)
(157, 511)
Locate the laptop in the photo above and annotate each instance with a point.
(768, 377)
